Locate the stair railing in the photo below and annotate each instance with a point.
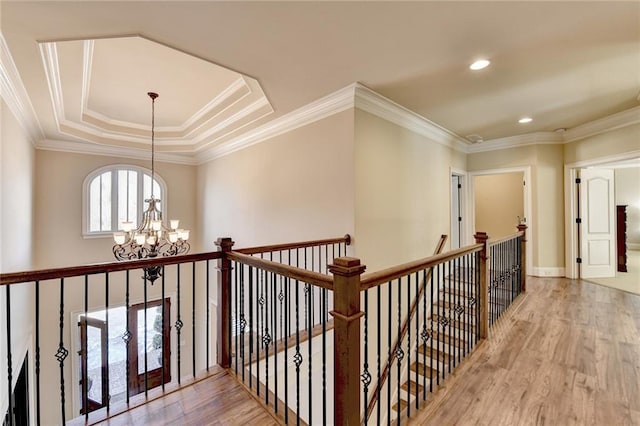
(404, 329)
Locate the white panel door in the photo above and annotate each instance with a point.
(456, 213)
(597, 233)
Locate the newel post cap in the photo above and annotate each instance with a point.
(224, 243)
(346, 266)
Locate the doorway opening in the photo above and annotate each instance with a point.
(109, 367)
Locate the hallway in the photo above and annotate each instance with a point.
(567, 353)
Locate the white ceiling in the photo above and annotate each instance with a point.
(564, 64)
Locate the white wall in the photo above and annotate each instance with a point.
(628, 192)
(16, 236)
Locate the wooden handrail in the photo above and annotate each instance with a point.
(507, 238)
(99, 268)
(290, 246)
(405, 328)
(311, 277)
(375, 279)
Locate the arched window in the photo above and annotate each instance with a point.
(115, 194)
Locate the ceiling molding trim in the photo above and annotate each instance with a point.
(603, 125)
(49, 55)
(15, 94)
(327, 106)
(538, 138)
(374, 103)
(255, 106)
(87, 65)
(111, 151)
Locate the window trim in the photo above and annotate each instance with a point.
(114, 168)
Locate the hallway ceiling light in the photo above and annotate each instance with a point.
(152, 237)
(525, 120)
(479, 64)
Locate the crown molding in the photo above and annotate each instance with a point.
(327, 106)
(538, 138)
(354, 95)
(603, 125)
(376, 104)
(111, 151)
(15, 94)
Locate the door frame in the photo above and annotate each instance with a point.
(571, 206)
(75, 344)
(528, 204)
(465, 235)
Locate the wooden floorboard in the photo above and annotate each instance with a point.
(217, 400)
(566, 353)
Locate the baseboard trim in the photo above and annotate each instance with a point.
(633, 246)
(548, 272)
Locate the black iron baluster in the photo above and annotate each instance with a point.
(243, 320)
(297, 358)
(162, 342)
(146, 357)
(84, 350)
(408, 346)
(236, 315)
(61, 353)
(366, 376)
(252, 326)
(266, 338)
(37, 352)
(424, 336)
(287, 325)
(193, 317)
(309, 333)
(9, 356)
(323, 308)
(127, 333)
(178, 324)
(417, 320)
(208, 314)
(378, 350)
(389, 348)
(106, 315)
(441, 329)
(432, 300)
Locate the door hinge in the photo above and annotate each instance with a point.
(459, 219)
(578, 180)
(459, 186)
(578, 220)
(579, 260)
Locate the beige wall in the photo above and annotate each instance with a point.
(547, 196)
(59, 242)
(16, 235)
(628, 193)
(619, 141)
(58, 218)
(402, 192)
(499, 201)
(293, 187)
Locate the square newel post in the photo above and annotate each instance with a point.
(346, 341)
(523, 252)
(223, 342)
(481, 238)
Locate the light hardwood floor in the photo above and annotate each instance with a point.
(217, 400)
(568, 353)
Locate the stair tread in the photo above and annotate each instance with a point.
(403, 405)
(423, 369)
(434, 353)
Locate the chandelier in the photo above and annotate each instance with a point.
(152, 237)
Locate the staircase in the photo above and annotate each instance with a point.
(451, 333)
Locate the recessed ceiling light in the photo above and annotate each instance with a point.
(525, 120)
(479, 64)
